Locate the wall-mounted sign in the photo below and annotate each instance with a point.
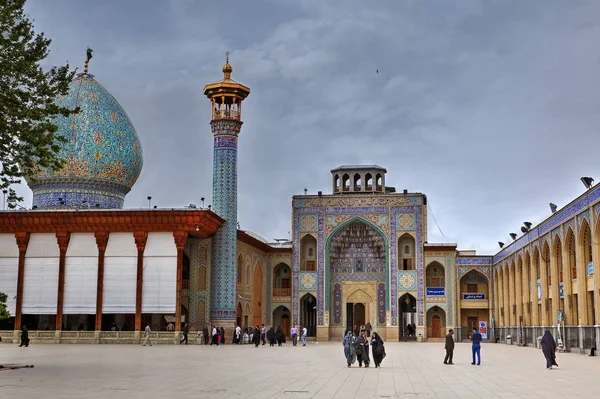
(590, 268)
(561, 290)
(474, 297)
(437, 291)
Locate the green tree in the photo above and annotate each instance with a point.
(3, 309)
(27, 98)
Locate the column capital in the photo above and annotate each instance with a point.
(101, 240)
(22, 240)
(63, 240)
(140, 238)
(180, 238)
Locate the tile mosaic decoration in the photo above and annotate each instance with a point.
(308, 281)
(407, 280)
(337, 304)
(308, 223)
(583, 215)
(449, 290)
(103, 153)
(405, 221)
(381, 304)
(224, 263)
(473, 260)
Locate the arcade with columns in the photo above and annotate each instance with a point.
(547, 276)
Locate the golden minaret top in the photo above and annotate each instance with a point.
(226, 95)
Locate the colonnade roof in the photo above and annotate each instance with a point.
(582, 203)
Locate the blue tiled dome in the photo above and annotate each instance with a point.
(103, 153)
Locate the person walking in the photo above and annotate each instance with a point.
(378, 349)
(24, 336)
(549, 349)
(349, 349)
(304, 332)
(449, 347)
(256, 337)
(294, 334)
(215, 336)
(147, 331)
(185, 332)
(362, 350)
(368, 328)
(476, 346)
(263, 334)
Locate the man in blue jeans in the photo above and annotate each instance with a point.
(476, 347)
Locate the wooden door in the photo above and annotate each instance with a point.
(285, 325)
(472, 323)
(436, 327)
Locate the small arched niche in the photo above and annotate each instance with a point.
(308, 253)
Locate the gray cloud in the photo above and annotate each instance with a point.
(488, 107)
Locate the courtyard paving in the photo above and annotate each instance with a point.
(318, 370)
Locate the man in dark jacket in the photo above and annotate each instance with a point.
(476, 346)
(449, 347)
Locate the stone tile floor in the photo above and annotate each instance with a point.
(318, 370)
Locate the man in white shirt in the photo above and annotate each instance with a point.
(215, 335)
(304, 332)
(148, 332)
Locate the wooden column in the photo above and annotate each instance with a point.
(140, 242)
(101, 242)
(22, 241)
(180, 240)
(63, 244)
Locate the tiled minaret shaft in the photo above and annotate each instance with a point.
(226, 97)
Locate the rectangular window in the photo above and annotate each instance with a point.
(406, 264)
(472, 288)
(310, 265)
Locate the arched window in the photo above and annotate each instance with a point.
(406, 249)
(310, 252)
(248, 269)
(435, 275)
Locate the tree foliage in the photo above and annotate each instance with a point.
(3, 309)
(27, 98)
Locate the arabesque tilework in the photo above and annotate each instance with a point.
(224, 250)
(102, 152)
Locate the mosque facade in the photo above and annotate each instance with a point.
(77, 265)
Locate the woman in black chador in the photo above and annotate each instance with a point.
(378, 349)
(271, 336)
(256, 336)
(24, 336)
(549, 350)
(280, 336)
(362, 350)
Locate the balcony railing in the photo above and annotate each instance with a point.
(282, 292)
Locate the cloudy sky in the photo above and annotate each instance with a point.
(491, 108)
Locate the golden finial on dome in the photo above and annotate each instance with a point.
(227, 69)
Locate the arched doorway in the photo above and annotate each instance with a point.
(281, 317)
(238, 314)
(436, 322)
(257, 294)
(357, 258)
(308, 314)
(407, 307)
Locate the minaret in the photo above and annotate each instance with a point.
(226, 98)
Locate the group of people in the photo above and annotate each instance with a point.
(356, 347)
(475, 347)
(548, 348)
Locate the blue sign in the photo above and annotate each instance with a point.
(438, 291)
(561, 290)
(474, 297)
(590, 268)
